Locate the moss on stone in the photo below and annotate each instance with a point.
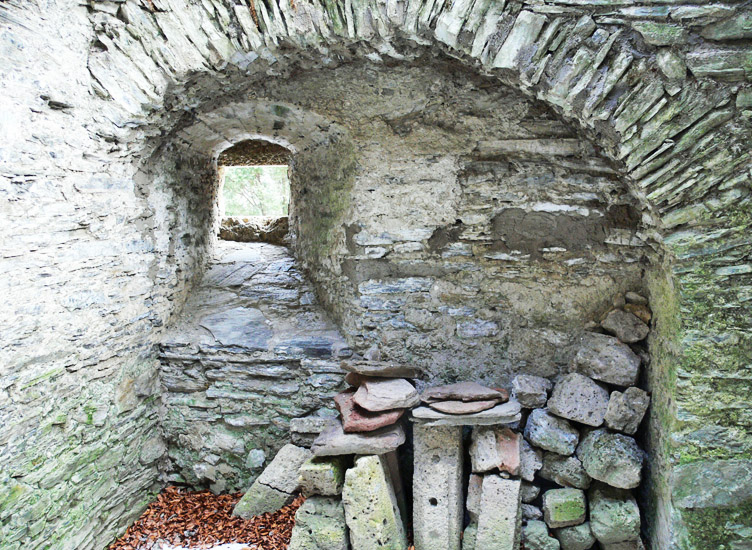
(718, 528)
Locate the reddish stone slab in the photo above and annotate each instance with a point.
(356, 419)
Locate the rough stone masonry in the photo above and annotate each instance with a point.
(472, 181)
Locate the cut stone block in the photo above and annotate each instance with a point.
(612, 458)
(551, 433)
(371, 509)
(577, 537)
(529, 492)
(276, 485)
(530, 512)
(506, 413)
(381, 369)
(564, 470)
(334, 441)
(531, 460)
(607, 359)
(531, 391)
(500, 517)
(322, 476)
(438, 503)
(626, 410)
(577, 397)
(614, 515)
(493, 448)
(303, 431)
(463, 391)
(356, 419)
(535, 535)
(470, 536)
(386, 394)
(625, 326)
(320, 525)
(474, 493)
(564, 507)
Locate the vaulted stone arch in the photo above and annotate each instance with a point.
(661, 88)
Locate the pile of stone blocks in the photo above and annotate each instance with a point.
(580, 461)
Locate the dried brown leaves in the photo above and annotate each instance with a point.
(202, 520)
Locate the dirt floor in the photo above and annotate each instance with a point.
(188, 520)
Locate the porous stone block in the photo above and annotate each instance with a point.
(612, 458)
(322, 476)
(531, 460)
(492, 448)
(334, 441)
(469, 537)
(371, 509)
(536, 537)
(505, 413)
(276, 485)
(564, 470)
(500, 514)
(320, 525)
(564, 507)
(577, 537)
(614, 515)
(579, 398)
(386, 394)
(551, 433)
(625, 326)
(626, 410)
(437, 486)
(531, 391)
(605, 358)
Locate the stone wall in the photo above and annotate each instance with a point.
(98, 242)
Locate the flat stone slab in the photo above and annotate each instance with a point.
(613, 458)
(463, 407)
(605, 358)
(505, 413)
(320, 525)
(385, 394)
(244, 327)
(371, 510)
(551, 433)
(531, 391)
(499, 523)
(463, 391)
(625, 326)
(564, 507)
(356, 419)
(334, 441)
(579, 398)
(381, 369)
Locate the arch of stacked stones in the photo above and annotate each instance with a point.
(473, 185)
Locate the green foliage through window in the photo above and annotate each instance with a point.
(256, 191)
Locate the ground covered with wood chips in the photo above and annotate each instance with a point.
(192, 519)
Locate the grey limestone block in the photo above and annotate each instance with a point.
(577, 537)
(531, 391)
(606, 359)
(564, 470)
(500, 519)
(626, 326)
(614, 515)
(612, 458)
(579, 398)
(320, 525)
(551, 433)
(535, 536)
(322, 476)
(626, 410)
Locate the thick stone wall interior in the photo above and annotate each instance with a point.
(113, 113)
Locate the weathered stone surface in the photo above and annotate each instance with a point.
(607, 359)
(614, 515)
(322, 476)
(320, 525)
(635, 298)
(530, 512)
(371, 509)
(564, 507)
(462, 407)
(254, 229)
(381, 369)
(551, 433)
(357, 419)
(531, 460)
(529, 492)
(531, 391)
(626, 545)
(643, 313)
(303, 431)
(334, 441)
(500, 516)
(469, 536)
(386, 394)
(577, 537)
(612, 458)
(626, 410)
(463, 391)
(492, 448)
(577, 397)
(506, 413)
(276, 486)
(437, 486)
(535, 535)
(625, 326)
(474, 493)
(564, 470)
